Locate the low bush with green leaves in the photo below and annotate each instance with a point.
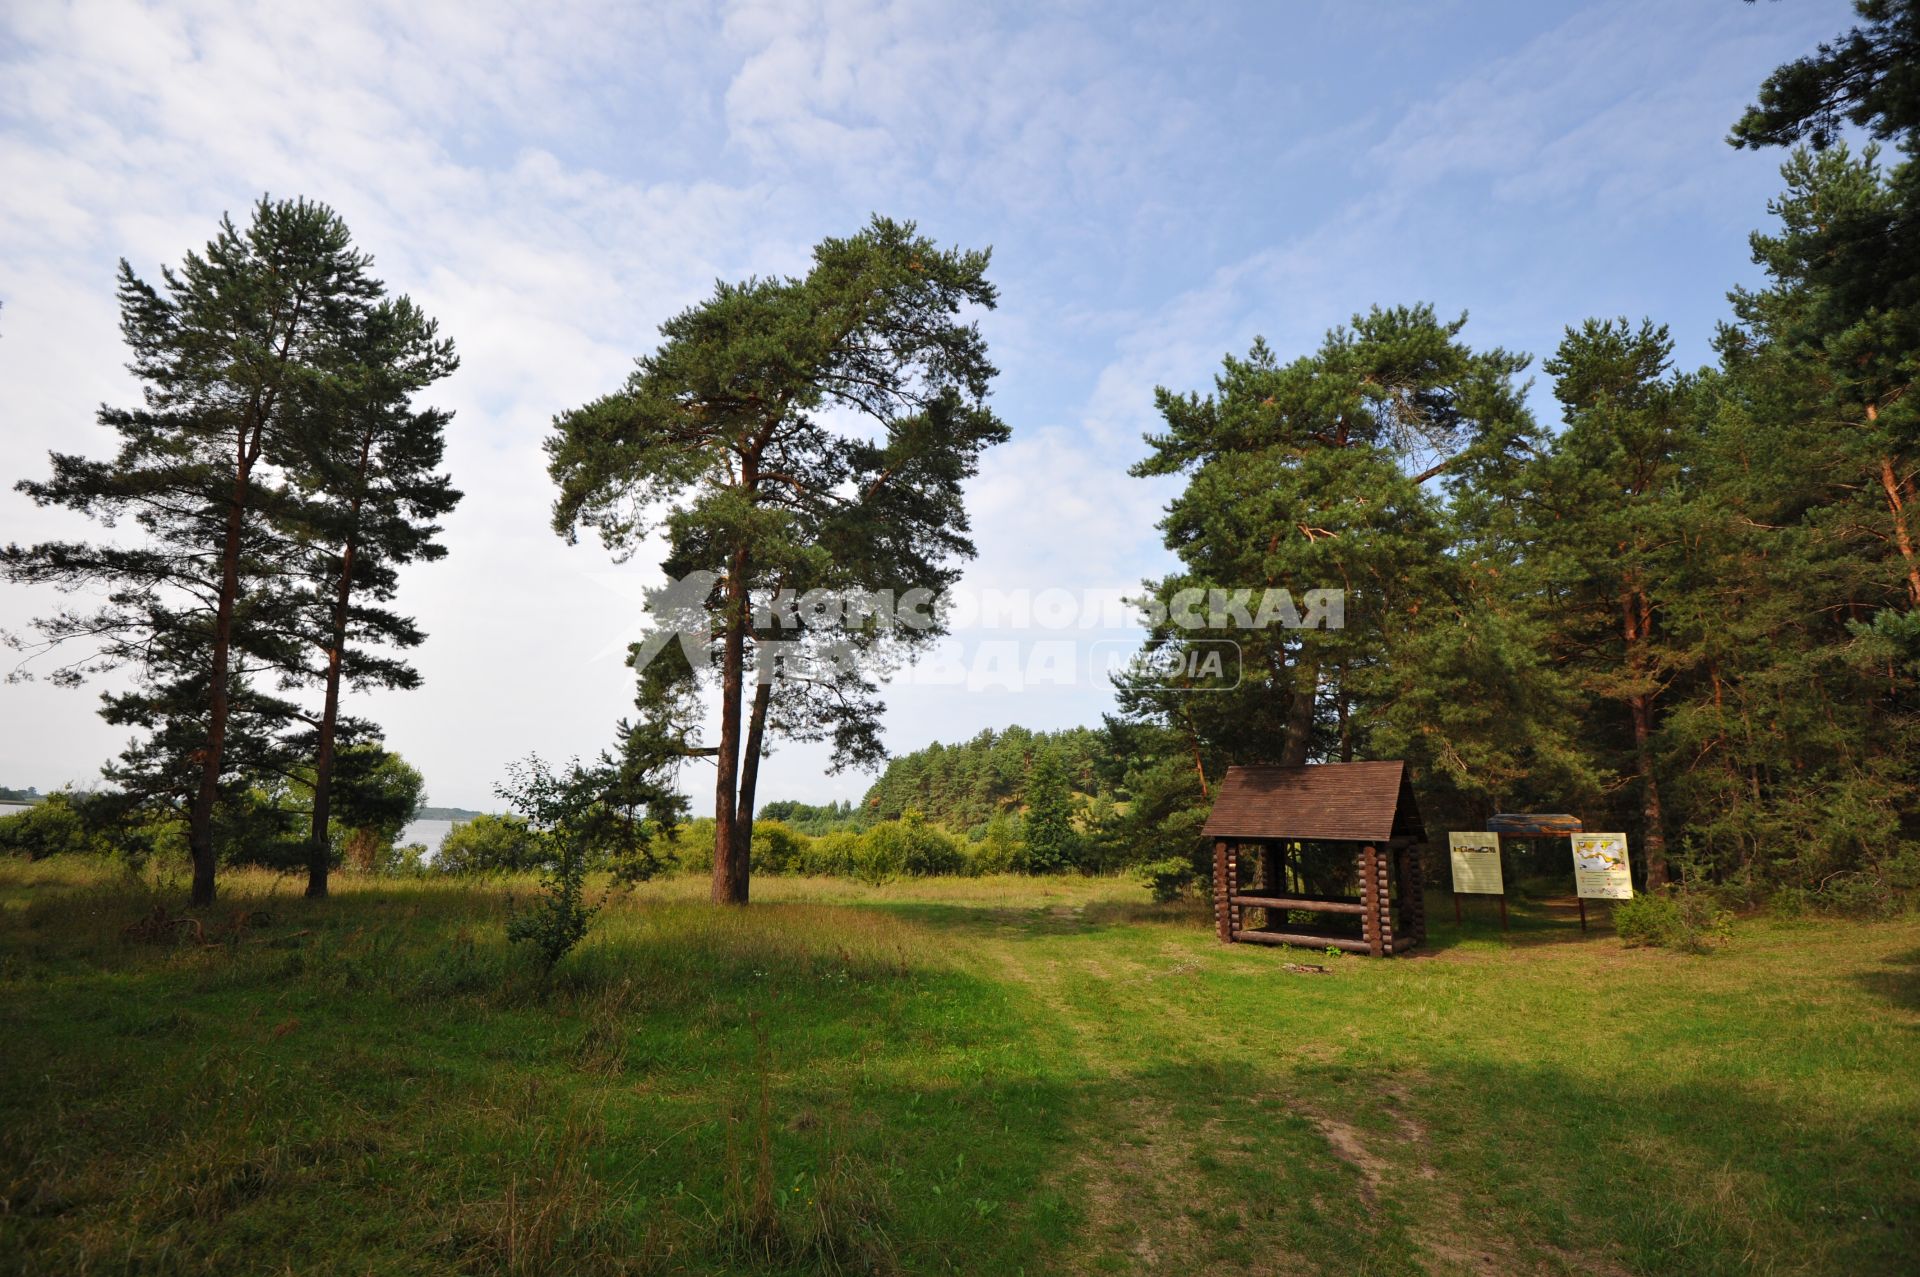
(776, 847)
(1688, 921)
(491, 844)
(830, 855)
(54, 826)
(1169, 879)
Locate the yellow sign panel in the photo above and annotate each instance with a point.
(1600, 867)
(1476, 863)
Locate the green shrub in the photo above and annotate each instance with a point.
(689, 849)
(55, 826)
(908, 846)
(561, 809)
(930, 850)
(777, 847)
(830, 855)
(1168, 879)
(1877, 891)
(491, 844)
(1689, 921)
(409, 860)
(1789, 902)
(998, 849)
(881, 855)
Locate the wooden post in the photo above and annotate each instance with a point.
(1222, 891)
(1235, 915)
(1370, 897)
(1583, 907)
(1500, 850)
(1387, 886)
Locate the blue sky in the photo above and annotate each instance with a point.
(1158, 184)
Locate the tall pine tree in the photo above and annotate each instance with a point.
(719, 439)
(372, 490)
(231, 349)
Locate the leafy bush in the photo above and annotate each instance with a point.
(908, 846)
(689, 848)
(831, 855)
(559, 809)
(1689, 921)
(408, 860)
(55, 826)
(558, 919)
(776, 847)
(1168, 879)
(930, 850)
(881, 854)
(1878, 891)
(491, 844)
(999, 848)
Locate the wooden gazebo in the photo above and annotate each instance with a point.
(1302, 854)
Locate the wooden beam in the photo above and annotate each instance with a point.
(1303, 903)
(1302, 940)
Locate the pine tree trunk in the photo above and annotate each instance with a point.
(729, 868)
(1636, 629)
(1902, 533)
(750, 774)
(247, 448)
(1650, 814)
(319, 847)
(1306, 682)
(200, 820)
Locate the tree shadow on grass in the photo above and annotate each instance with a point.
(1486, 1166)
(1899, 983)
(1016, 922)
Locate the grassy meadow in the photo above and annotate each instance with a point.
(996, 1075)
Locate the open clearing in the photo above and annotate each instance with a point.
(977, 1076)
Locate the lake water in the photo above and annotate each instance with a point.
(427, 833)
(11, 809)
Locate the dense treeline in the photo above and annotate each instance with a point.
(1692, 611)
(267, 823)
(965, 786)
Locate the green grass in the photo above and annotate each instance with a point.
(974, 1076)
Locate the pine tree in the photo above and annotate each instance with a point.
(369, 469)
(1052, 844)
(1314, 475)
(717, 439)
(231, 350)
(1611, 511)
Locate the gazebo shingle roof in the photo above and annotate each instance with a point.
(1332, 802)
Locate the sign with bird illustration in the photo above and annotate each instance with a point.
(1600, 869)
